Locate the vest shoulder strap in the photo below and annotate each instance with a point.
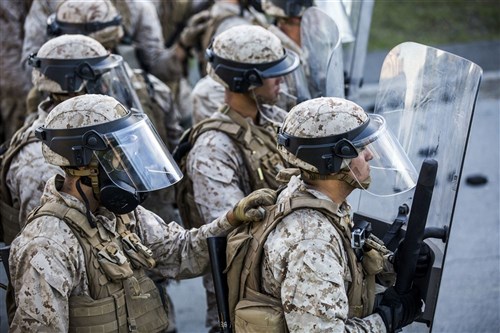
(260, 232)
(73, 217)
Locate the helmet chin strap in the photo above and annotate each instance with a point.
(343, 175)
(90, 173)
(86, 201)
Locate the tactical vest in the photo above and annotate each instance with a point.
(9, 216)
(258, 148)
(122, 298)
(250, 308)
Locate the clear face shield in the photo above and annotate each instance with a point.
(104, 75)
(137, 157)
(382, 168)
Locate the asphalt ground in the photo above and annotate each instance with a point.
(469, 298)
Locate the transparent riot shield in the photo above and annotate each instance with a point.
(322, 49)
(427, 97)
(353, 19)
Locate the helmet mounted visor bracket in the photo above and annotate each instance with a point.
(70, 73)
(57, 28)
(105, 75)
(326, 153)
(129, 150)
(77, 145)
(241, 77)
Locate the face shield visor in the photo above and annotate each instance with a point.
(381, 166)
(128, 149)
(137, 157)
(370, 152)
(105, 75)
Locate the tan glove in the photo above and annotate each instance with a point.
(250, 208)
(197, 24)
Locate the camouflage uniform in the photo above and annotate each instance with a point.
(305, 265)
(28, 171)
(13, 87)
(207, 95)
(220, 178)
(140, 22)
(216, 166)
(47, 264)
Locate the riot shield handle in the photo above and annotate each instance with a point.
(410, 247)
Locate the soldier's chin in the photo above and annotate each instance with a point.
(267, 100)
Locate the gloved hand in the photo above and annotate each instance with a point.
(397, 311)
(196, 25)
(424, 261)
(249, 209)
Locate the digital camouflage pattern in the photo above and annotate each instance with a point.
(220, 178)
(208, 94)
(246, 44)
(71, 11)
(140, 22)
(65, 47)
(306, 265)
(28, 172)
(80, 112)
(47, 264)
(13, 86)
(216, 166)
(320, 117)
(207, 97)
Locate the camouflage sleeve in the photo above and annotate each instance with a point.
(26, 178)
(207, 96)
(313, 290)
(45, 268)
(148, 36)
(172, 117)
(217, 171)
(179, 253)
(35, 27)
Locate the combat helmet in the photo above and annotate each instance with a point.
(322, 136)
(117, 151)
(97, 19)
(80, 64)
(241, 57)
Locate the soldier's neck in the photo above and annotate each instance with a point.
(243, 104)
(336, 190)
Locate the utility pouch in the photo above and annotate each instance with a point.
(140, 255)
(103, 315)
(114, 263)
(373, 262)
(259, 313)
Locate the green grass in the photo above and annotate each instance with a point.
(433, 22)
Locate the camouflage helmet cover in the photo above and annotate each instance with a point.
(285, 8)
(248, 53)
(319, 118)
(97, 19)
(80, 111)
(65, 47)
